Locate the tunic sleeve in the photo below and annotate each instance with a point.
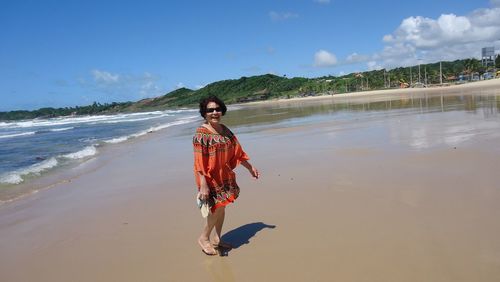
(239, 154)
(202, 160)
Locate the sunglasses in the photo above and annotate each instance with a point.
(211, 110)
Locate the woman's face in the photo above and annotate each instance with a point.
(213, 113)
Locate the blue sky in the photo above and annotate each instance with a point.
(68, 53)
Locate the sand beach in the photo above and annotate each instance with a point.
(389, 185)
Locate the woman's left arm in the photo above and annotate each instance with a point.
(253, 171)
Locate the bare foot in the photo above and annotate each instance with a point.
(222, 244)
(206, 247)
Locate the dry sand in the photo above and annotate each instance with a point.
(396, 93)
(327, 208)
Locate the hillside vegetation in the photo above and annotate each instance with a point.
(264, 87)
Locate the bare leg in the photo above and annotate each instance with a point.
(218, 230)
(204, 239)
(218, 225)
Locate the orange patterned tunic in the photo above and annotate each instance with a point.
(215, 157)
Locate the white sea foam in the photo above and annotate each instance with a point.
(43, 166)
(17, 134)
(143, 113)
(132, 119)
(181, 111)
(86, 152)
(190, 118)
(140, 133)
(16, 177)
(177, 122)
(180, 121)
(61, 129)
(117, 140)
(85, 119)
(11, 178)
(53, 121)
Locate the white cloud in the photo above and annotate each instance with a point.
(372, 65)
(356, 58)
(454, 27)
(485, 18)
(104, 76)
(123, 86)
(148, 85)
(448, 37)
(148, 89)
(323, 58)
(179, 85)
(322, 1)
(387, 38)
(282, 16)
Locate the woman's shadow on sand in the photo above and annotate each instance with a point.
(242, 235)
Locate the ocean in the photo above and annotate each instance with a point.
(30, 148)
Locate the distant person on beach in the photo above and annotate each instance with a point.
(216, 153)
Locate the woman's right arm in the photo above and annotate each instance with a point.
(204, 190)
(201, 163)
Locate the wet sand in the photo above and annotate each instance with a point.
(403, 197)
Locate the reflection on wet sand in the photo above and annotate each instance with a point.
(279, 112)
(219, 269)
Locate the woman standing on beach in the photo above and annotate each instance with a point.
(216, 153)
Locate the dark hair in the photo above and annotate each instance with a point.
(212, 98)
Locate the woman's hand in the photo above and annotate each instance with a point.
(204, 190)
(254, 172)
(204, 193)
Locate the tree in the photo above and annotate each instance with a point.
(497, 61)
(471, 66)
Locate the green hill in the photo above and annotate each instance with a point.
(269, 86)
